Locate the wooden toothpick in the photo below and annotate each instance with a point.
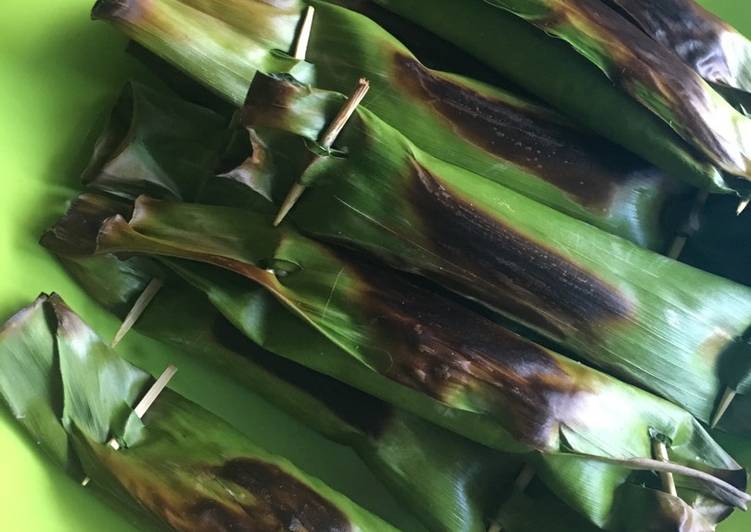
(303, 35)
(326, 141)
(689, 227)
(660, 452)
(131, 318)
(520, 484)
(676, 248)
(144, 404)
(723, 406)
(138, 308)
(742, 205)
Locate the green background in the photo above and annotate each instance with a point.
(59, 74)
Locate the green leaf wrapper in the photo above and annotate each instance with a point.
(575, 83)
(449, 482)
(182, 464)
(671, 328)
(489, 131)
(140, 152)
(400, 342)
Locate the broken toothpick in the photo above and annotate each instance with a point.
(326, 141)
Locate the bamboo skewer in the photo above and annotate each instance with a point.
(303, 36)
(723, 406)
(138, 308)
(520, 484)
(660, 452)
(148, 399)
(326, 141)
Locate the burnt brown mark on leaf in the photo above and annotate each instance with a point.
(686, 28)
(363, 412)
(640, 67)
(586, 167)
(522, 383)
(210, 515)
(441, 348)
(76, 232)
(114, 10)
(493, 263)
(280, 501)
(267, 98)
(658, 512)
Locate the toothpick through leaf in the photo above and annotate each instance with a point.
(326, 141)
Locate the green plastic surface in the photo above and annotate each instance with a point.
(59, 75)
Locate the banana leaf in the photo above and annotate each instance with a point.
(423, 352)
(651, 74)
(670, 328)
(550, 69)
(155, 143)
(73, 393)
(449, 482)
(490, 131)
(708, 44)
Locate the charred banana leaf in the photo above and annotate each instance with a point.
(671, 328)
(73, 393)
(452, 484)
(400, 343)
(651, 74)
(489, 131)
(575, 84)
(705, 42)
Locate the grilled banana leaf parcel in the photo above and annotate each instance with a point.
(705, 42)
(575, 83)
(489, 131)
(73, 394)
(423, 352)
(652, 74)
(671, 328)
(452, 484)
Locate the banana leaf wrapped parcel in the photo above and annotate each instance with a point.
(99, 276)
(585, 430)
(650, 73)
(182, 465)
(449, 482)
(659, 108)
(673, 329)
(492, 132)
